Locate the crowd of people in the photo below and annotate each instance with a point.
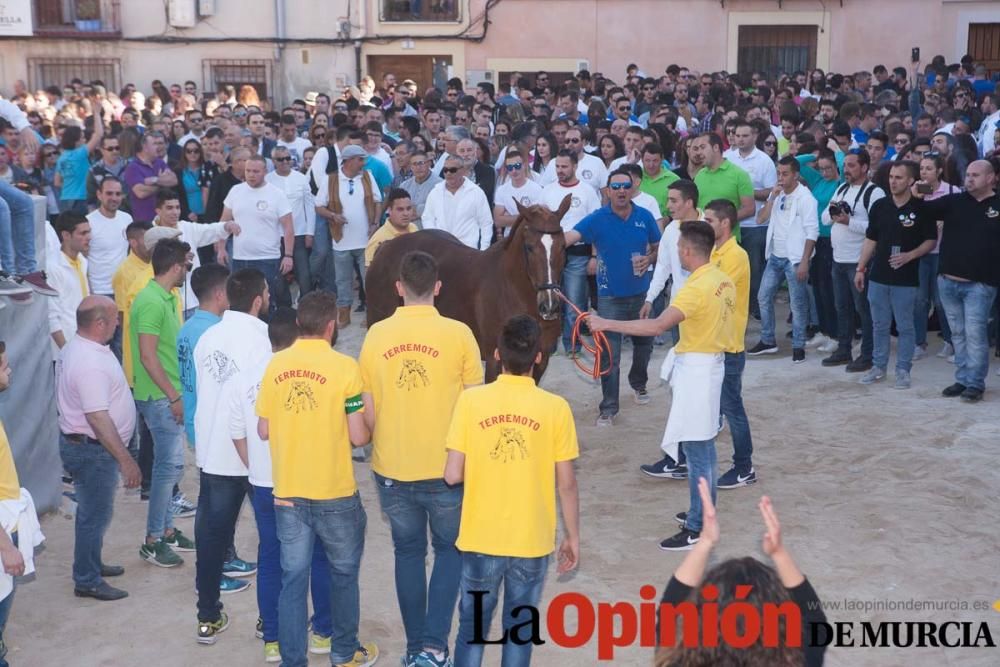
(204, 251)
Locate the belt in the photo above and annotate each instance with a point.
(80, 439)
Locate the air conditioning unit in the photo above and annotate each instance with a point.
(474, 77)
(181, 13)
(582, 65)
(206, 7)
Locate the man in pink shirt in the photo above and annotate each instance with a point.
(96, 419)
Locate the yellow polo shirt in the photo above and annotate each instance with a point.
(512, 434)
(734, 262)
(10, 486)
(384, 233)
(130, 278)
(708, 301)
(415, 364)
(306, 394)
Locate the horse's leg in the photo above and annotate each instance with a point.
(539, 369)
(492, 367)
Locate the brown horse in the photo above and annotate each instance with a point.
(483, 289)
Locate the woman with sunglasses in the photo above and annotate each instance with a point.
(768, 143)
(73, 165)
(318, 135)
(189, 174)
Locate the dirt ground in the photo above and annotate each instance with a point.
(883, 495)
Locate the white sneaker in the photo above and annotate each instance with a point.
(829, 346)
(919, 352)
(819, 340)
(946, 351)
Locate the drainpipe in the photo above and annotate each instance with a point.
(279, 52)
(362, 32)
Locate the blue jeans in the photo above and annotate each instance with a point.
(95, 480)
(623, 308)
(927, 294)
(269, 571)
(522, 580)
(17, 230)
(345, 263)
(321, 259)
(271, 268)
(575, 287)
(732, 409)
(849, 302)
(967, 306)
(701, 462)
(778, 270)
(888, 301)
(339, 524)
(5, 606)
(410, 507)
(168, 463)
(301, 266)
(754, 241)
(219, 500)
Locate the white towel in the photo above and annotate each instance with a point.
(19, 513)
(696, 383)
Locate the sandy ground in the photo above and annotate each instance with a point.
(883, 495)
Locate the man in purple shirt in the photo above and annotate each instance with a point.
(144, 176)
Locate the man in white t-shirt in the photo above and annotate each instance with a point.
(108, 245)
(584, 200)
(589, 168)
(295, 185)
(268, 234)
(351, 213)
(291, 140)
(682, 198)
(763, 177)
(518, 187)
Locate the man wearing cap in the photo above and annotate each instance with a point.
(349, 201)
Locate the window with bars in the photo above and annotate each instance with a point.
(419, 10)
(238, 73)
(776, 48)
(43, 72)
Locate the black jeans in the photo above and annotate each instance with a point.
(219, 503)
(821, 279)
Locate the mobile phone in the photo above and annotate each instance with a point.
(924, 188)
(915, 54)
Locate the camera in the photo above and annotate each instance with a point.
(839, 207)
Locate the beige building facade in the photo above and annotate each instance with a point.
(288, 47)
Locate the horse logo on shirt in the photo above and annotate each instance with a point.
(300, 398)
(220, 366)
(575, 202)
(509, 446)
(262, 205)
(587, 174)
(412, 376)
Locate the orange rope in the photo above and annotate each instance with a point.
(600, 347)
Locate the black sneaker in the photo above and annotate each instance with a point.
(971, 395)
(734, 479)
(798, 355)
(838, 358)
(681, 517)
(859, 365)
(682, 541)
(762, 348)
(956, 389)
(665, 468)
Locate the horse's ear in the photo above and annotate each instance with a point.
(517, 223)
(520, 207)
(564, 206)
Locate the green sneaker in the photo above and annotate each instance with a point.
(271, 652)
(319, 644)
(160, 554)
(208, 631)
(178, 541)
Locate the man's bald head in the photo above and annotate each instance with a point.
(96, 316)
(980, 178)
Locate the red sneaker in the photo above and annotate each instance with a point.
(37, 282)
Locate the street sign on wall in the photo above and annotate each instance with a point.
(15, 18)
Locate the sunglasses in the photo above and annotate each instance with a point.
(514, 166)
(451, 170)
(901, 142)
(623, 108)
(620, 186)
(107, 148)
(770, 144)
(196, 120)
(781, 202)
(189, 151)
(350, 186)
(240, 114)
(282, 159)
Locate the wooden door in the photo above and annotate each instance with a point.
(418, 68)
(984, 45)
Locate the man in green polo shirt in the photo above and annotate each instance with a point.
(655, 179)
(153, 334)
(721, 179)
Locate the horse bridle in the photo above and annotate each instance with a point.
(544, 286)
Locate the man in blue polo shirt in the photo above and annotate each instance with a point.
(624, 237)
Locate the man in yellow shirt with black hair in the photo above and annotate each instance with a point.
(311, 410)
(414, 365)
(734, 261)
(399, 206)
(513, 444)
(705, 309)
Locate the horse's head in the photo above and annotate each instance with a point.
(539, 233)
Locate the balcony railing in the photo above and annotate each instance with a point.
(420, 10)
(79, 19)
